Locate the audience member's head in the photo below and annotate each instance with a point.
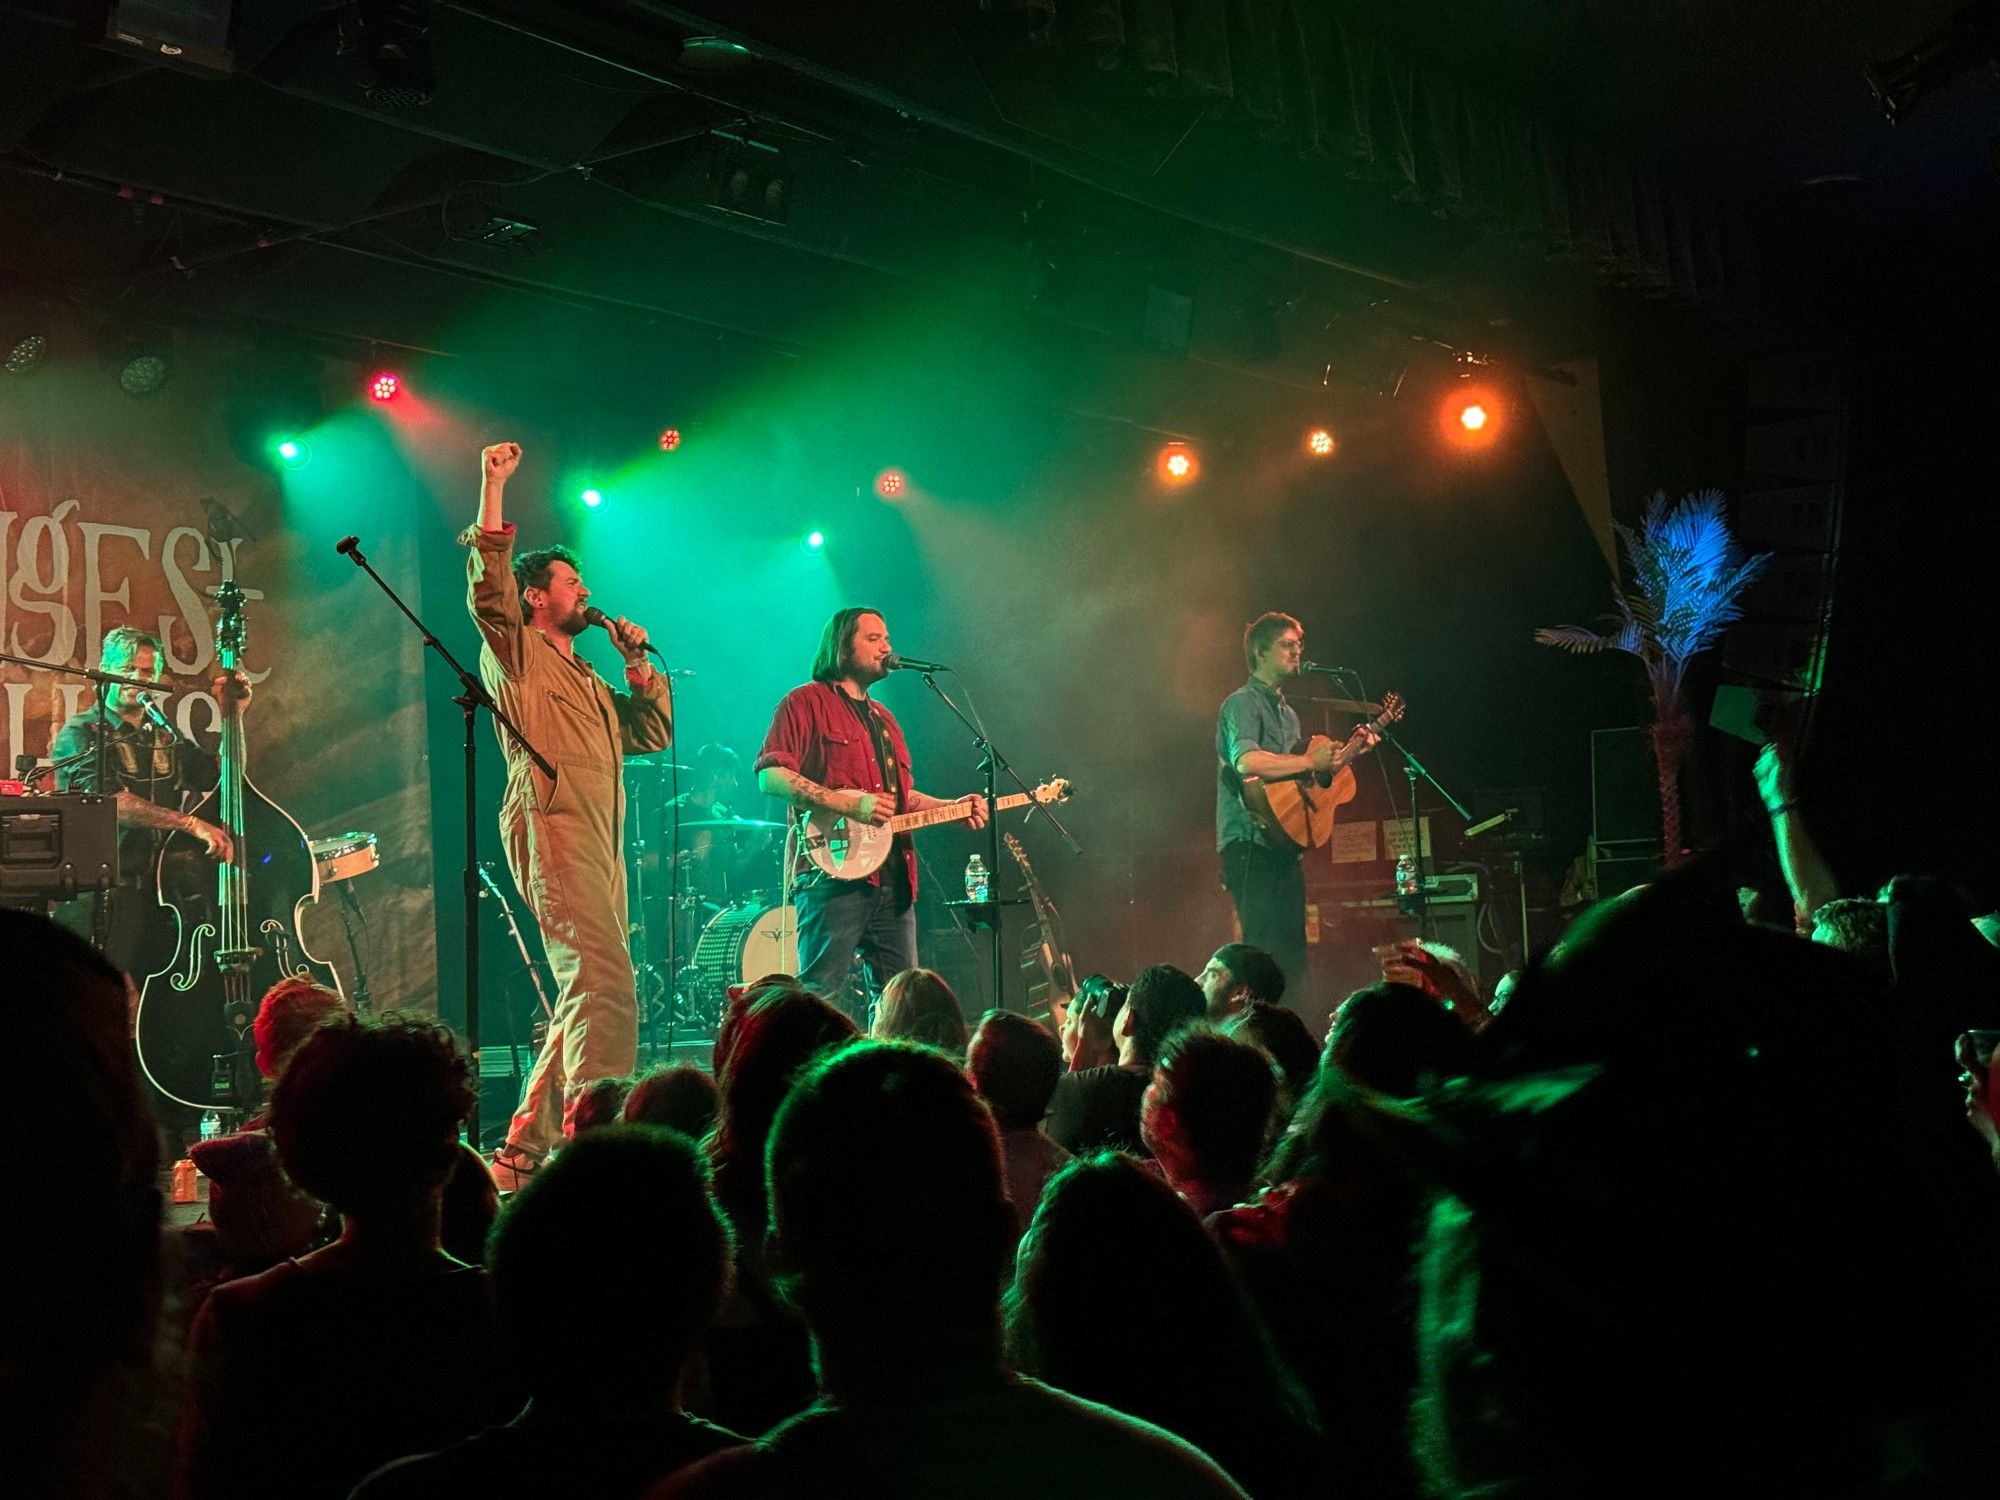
(79, 1263)
(1161, 1000)
(366, 1115)
(1181, 1348)
(260, 1217)
(286, 1016)
(1014, 1063)
(622, 1225)
(1397, 1040)
(736, 1003)
(597, 1104)
(1854, 924)
(1285, 1037)
(471, 1202)
(681, 1098)
(1209, 1111)
(1239, 975)
(918, 1006)
(882, 1145)
(777, 1036)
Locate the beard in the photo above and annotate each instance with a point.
(572, 624)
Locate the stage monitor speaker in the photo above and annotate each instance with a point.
(1624, 787)
(1616, 868)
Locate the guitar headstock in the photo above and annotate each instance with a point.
(1055, 789)
(1014, 848)
(1393, 708)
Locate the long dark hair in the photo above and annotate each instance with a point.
(1193, 1356)
(836, 639)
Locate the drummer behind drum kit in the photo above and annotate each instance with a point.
(739, 935)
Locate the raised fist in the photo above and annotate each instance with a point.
(498, 460)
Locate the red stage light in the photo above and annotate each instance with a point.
(1177, 464)
(670, 439)
(890, 483)
(384, 386)
(1319, 442)
(1471, 416)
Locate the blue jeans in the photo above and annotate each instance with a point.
(839, 917)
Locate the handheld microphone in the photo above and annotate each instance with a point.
(897, 663)
(152, 711)
(600, 619)
(1324, 670)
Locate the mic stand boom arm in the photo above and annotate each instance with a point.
(993, 763)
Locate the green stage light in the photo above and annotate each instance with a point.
(592, 498)
(292, 452)
(815, 540)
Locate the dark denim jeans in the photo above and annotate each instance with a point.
(837, 918)
(1269, 889)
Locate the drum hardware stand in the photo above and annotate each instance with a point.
(991, 764)
(364, 1002)
(472, 696)
(491, 889)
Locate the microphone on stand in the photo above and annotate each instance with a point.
(897, 663)
(599, 618)
(1324, 670)
(152, 711)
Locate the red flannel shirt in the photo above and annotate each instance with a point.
(816, 734)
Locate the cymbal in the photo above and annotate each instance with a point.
(691, 825)
(648, 763)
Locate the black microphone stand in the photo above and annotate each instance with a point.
(991, 764)
(471, 698)
(1418, 904)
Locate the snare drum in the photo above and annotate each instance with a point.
(747, 942)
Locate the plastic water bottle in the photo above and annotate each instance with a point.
(1406, 875)
(977, 881)
(211, 1124)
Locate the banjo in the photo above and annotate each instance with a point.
(849, 849)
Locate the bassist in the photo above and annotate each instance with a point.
(833, 748)
(1257, 735)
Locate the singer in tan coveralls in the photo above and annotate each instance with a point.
(564, 837)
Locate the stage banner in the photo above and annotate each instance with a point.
(120, 511)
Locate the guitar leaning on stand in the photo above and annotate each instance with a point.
(1045, 952)
(849, 849)
(1301, 808)
(235, 939)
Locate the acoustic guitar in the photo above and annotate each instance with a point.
(1044, 955)
(1300, 809)
(849, 849)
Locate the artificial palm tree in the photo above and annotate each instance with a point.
(1688, 578)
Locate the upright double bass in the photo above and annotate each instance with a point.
(237, 921)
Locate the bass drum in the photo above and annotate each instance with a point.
(744, 943)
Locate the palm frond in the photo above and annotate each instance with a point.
(1688, 577)
(1573, 638)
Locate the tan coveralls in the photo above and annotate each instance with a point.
(564, 837)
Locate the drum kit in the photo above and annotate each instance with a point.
(708, 907)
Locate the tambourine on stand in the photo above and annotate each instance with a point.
(340, 858)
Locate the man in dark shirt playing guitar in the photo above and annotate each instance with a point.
(1257, 738)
